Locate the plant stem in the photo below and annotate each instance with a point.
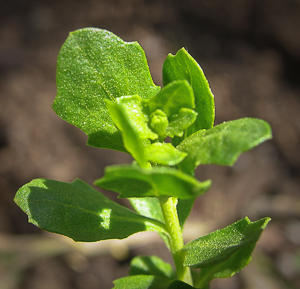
(169, 210)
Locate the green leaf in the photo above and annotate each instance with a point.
(131, 138)
(80, 212)
(94, 65)
(139, 120)
(180, 122)
(223, 144)
(176, 284)
(159, 122)
(164, 154)
(183, 66)
(148, 207)
(224, 252)
(184, 208)
(132, 181)
(141, 282)
(172, 98)
(151, 265)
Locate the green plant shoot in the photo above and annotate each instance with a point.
(104, 87)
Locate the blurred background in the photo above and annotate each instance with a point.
(250, 53)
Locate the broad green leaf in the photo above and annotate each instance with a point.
(224, 252)
(80, 212)
(183, 66)
(139, 120)
(151, 265)
(164, 154)
(172, 98)
(180, 122)
(94, 65)
(176, 284)
(131, 138)
(142, 282)
(223, 144)
(131, 181)
(159, 122)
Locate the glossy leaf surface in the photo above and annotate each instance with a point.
(131, 138)
(139, 120)
(94, 65)
(133, 181)
(183, 66)
(223, 144)
(224, 252)
(151, 265)
(78, 211)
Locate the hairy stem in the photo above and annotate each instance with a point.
(169, 209)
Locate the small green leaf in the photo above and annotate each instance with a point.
(94, 65)
(176, 284)
(164, 154)
(224, 252)
(183, 66)
(172, 98)
(142, 282)
(131, 138)
(80, 212)
(151, 265)
(139, 120)
(148, 207)
(132, 181)
(159, 122)
(223, 144)
(180, 122)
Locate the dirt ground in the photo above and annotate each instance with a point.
(250, 52)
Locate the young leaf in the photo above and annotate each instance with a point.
(142, 282)
(164, 154)
(151, 265)
(172, 98)
(224, 252)
(180, 122)
(132, 181)
(223, 144)
(139, 120)
(131, 138)
(80, 212)
(94, 65)
(183, 66)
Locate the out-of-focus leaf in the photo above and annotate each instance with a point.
(132, 181)
(183, 66)
(151, 265)
(94, 65)
(131, 138)
(80, 212)
(223, 144)
(142, 282)
(164, 154)
(224, 252)
(172, 98)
